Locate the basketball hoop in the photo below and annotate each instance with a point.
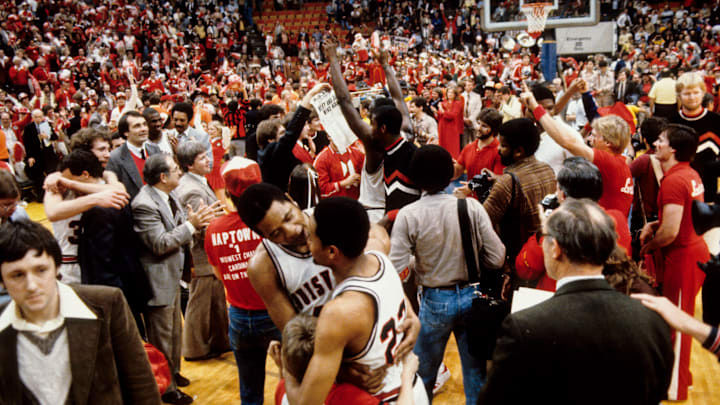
(536, 14)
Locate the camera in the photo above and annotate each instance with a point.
(481, 184)
(637, 143)
(549, 203)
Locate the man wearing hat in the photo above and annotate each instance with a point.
(229, 245)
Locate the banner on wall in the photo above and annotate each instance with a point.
(583, 40)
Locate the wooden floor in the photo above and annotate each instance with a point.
(216, 382)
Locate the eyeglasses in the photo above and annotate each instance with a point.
(539, 235)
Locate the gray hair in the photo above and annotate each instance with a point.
(187, 152)
(156, 165)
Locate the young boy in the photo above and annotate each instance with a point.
(293, 355)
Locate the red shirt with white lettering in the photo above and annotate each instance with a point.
(474, 160)
(230, 245)
(617, 181)
(681, 185)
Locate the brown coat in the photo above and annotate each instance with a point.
(107, 359)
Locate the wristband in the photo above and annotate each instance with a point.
(538, 112)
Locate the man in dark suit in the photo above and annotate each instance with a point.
(128, 160)
(166, 232)
(64, 344)
(626, 90)
(588, 343)
(205, 333)
(40, 155)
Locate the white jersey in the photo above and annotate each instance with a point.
(372, 193)
(67, 233)
(308, 284)
(386, 289)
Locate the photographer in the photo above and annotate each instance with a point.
(577, 178)
(482, 153)
(440, 265)
(513, 201)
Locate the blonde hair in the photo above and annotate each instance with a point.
(298, 344)
(690, 79)
(614, 130)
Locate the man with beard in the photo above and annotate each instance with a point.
(513, 201)
(481, 154)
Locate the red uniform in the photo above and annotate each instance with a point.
(474, 160)
(229, 245)
(332, 167)
(214, 178)
(617, 181)
(680, 274)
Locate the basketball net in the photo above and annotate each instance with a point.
(536, 14)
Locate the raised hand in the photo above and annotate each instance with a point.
(329, 46)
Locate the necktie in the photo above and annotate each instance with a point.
(467, 103)
(142, 154)
(173, 206)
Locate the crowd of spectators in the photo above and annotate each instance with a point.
(199, 81)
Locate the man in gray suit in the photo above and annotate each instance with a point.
(471, 110)
(182, 115)
(205, 334)
(166, 232)
(128, 160)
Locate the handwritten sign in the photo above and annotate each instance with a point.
(332, 119)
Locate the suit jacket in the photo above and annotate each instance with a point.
(164, 239)
(46, 159)
(194, 192)
(122, 164)
(108, 363)
(108, 253)
(631, 88)
(474, 106)
(587, 344)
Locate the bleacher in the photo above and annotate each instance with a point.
(296, 21)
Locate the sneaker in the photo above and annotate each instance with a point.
(443, 376)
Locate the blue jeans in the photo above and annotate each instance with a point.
(250, 334)
(442, 312)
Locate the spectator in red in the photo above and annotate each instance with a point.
(482, 153)
(230, 245)
(450, 121)
(610, 136)
(19, 75)
(339, 173)
(674, 234)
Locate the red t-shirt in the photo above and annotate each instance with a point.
(681, 185)
(474, 160)
(229, 245)
(617, 181)
(340, 394)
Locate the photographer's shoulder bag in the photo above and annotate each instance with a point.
(482, 322)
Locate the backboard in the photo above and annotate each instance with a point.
(506, 15)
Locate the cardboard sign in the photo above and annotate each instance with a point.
(332, 119)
